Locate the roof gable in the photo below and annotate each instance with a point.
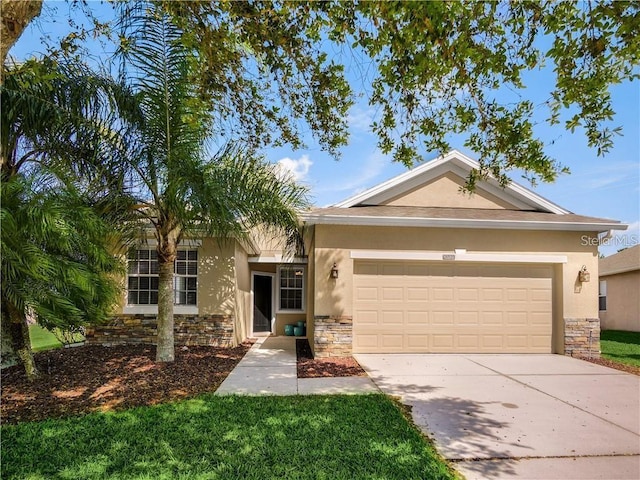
(437, 184)
(445, 191)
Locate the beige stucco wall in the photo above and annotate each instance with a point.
(243, 294)
(623, 302)
(571, 298)
(444, 191)
(216, 277)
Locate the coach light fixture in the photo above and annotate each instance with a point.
(584, 276)
(334, 271)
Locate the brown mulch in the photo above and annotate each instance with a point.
(617, 365)
(309, 367)
(90, 378)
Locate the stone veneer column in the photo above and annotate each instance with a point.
(576, 337)
(333, 336)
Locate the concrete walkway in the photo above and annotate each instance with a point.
(269, 368)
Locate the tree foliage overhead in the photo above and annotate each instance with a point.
(439, 68)
(265, 71)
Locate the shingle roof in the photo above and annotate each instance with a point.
(469, 215)
(625, 261)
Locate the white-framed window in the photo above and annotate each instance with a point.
(602, 295)
(142, 278)
(291, 288)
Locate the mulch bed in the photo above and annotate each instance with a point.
(309, 367)
(84, 379)
(617, 365)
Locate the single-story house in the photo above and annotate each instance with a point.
(411, 265)
(619, 287)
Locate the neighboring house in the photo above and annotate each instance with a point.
(411, 265)
(619, 290)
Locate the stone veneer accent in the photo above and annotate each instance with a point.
(333, 336)
(576, 337)
(206, 330)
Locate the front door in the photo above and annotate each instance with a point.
(262, 302)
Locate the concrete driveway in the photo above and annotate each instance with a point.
(519, 416)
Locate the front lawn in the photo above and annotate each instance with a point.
(315, 437)
(620, 346)
(43, 339)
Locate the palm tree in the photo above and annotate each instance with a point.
(61, 190)
(182, 190)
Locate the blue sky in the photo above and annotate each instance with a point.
(607, 187)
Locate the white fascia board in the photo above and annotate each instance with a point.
(464, 163)
(537, 199)
(457, 257)
(277, 259)
(458, 223)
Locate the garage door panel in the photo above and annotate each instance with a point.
(392, 294)
(366, 293)
(451, 308)
(468, 295)
(442, 341)
(468, 341)
(417, 342)
(440, 294)
(367, 317)
(392, 269)
(469, 318)
(390, 317)
(417, 318)
(417, 294)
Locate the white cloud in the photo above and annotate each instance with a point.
(298, 169)
(359, 118)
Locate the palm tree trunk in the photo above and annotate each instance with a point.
(167, 250)
(19, 331)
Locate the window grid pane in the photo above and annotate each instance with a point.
(142, 282)
(291, 288)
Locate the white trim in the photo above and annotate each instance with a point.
(458, 257)
(184, 244)
(272, 325)
(304, 290)
(401, 183)
(277, 259)
(315, 219)
(153, 309)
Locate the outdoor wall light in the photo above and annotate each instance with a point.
(584, 276)
(334, 271)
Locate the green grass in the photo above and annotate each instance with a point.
(314, 437)
(620, 346)
(43, 339)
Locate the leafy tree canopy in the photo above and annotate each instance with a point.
(432, 69)
(438, 68)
